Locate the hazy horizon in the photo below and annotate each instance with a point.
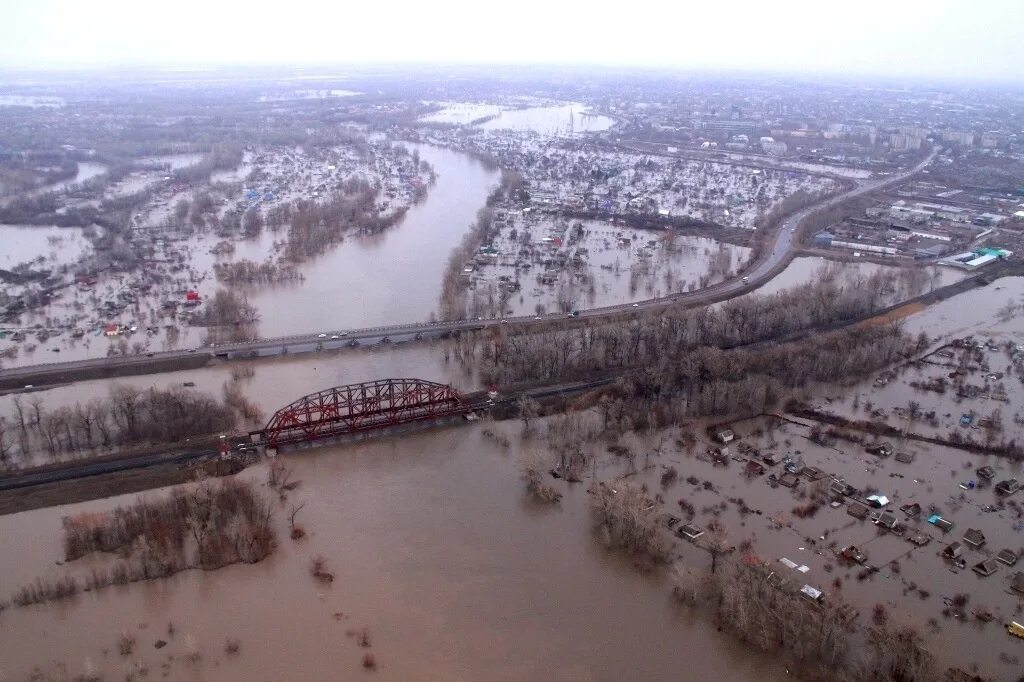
(944, 40)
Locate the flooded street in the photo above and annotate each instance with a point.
(436, 550)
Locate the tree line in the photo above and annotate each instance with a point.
(128, 416)
(576, 349)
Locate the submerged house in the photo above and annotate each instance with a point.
(975, 538)
(985, 568)
(887, 520)
(1008, 487)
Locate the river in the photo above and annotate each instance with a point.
(387, 278)
(435, 549)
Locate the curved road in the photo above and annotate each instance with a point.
(768, 265)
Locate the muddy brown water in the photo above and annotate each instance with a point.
(435, 550)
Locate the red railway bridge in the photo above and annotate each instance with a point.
(361, 407)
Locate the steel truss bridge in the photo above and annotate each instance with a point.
(361, 407)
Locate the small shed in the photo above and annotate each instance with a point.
(942, 524)
(986, 472)
(812, 594)
(904, 457)
(853, 554)
(725, 436)
(953, 550)
(690, 532)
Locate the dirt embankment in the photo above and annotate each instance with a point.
(44, 376)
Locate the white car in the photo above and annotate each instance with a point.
(746, 279)
(636, 305)
(321, 336)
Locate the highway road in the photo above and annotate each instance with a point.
(769, 264)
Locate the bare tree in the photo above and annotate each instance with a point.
(528, 409)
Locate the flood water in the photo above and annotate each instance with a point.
(435, 550)
(53, 245)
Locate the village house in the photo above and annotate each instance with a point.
(888, 521)
(1008, 487)
(1017, 582)
(877, 501)
(975, 538)
(953, 550)
(857, 510)
(789, 480)
(911, 510)
(986, 472)
(841, 488)
(1007, 556)
(985, 568)
(812, 473)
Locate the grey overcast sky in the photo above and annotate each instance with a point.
(976, 39)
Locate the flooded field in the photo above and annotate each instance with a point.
(567, 119)
(462, 113)
(810, 268)
(537, 266)
(436, 552)
(546, 120)
(992, 376)
(45, 246)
